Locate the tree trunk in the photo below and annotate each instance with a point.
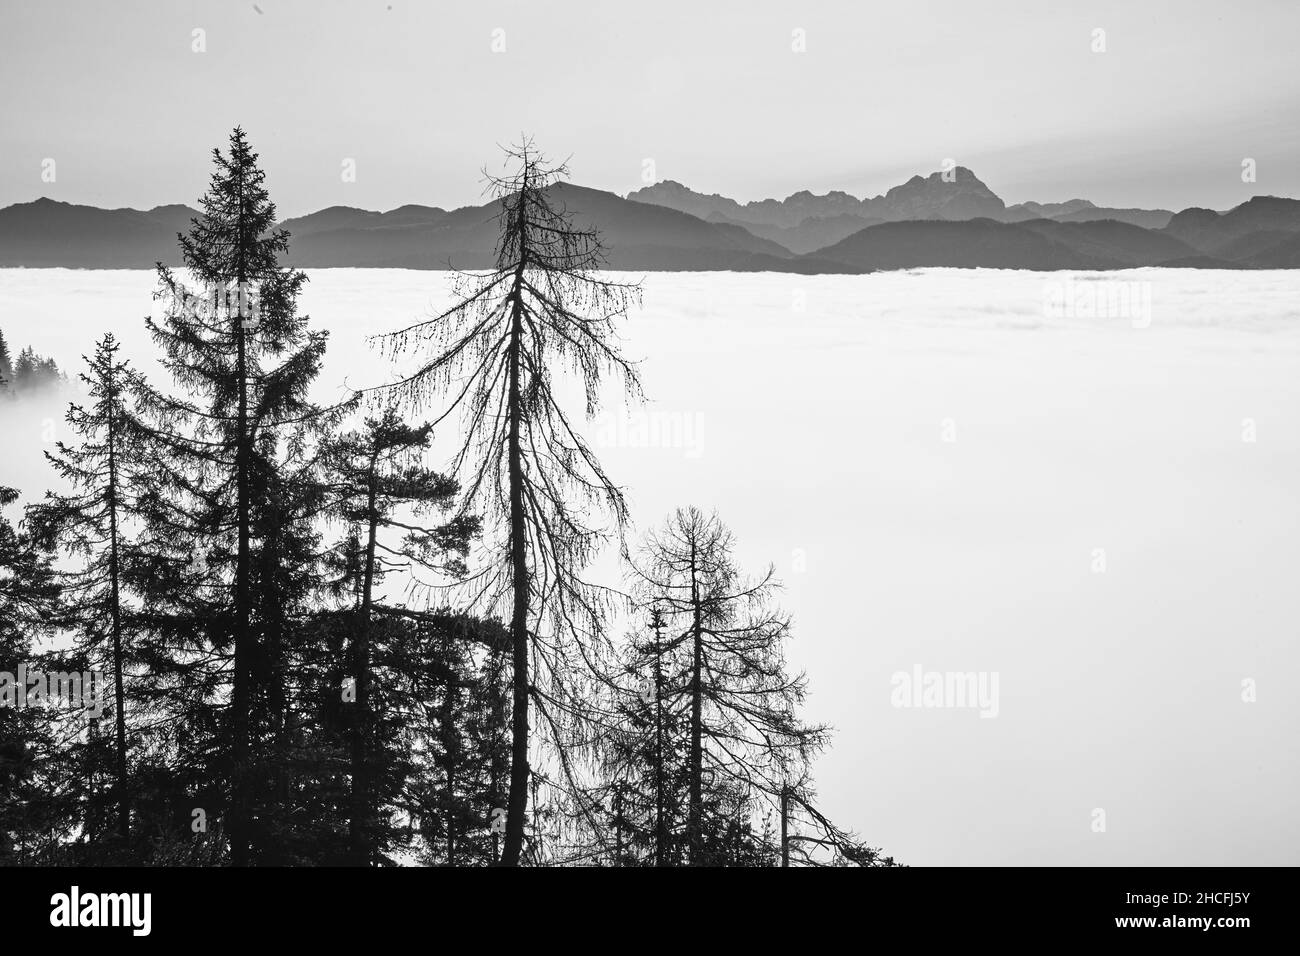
(361, 662)
(518, 800)
(91, 832)
(618, 824)
(695, 816)
(241, 692)
(785, 826)
(661, 835)
(451, 745)
(115, 608)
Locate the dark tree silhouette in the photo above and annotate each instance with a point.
(809, 838)
(233, 489)
(315, 709)
(29, 598)
(462, 727)
(528, 472)
(643, 751)
(6, 365)
(30, 374)
(376, 476)
(90, 523)
(743, 729)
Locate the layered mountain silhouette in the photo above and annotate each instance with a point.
(1246, 231)
(636, 235)
(49, 233)
(937, 220)
(1037, 244)
(805, 222)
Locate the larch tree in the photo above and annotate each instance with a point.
(498, 354)
(809, 838)
(743, 730)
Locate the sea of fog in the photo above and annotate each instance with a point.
(1086, 485)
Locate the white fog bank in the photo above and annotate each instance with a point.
(952, 473)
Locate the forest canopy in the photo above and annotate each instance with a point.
(315, 644)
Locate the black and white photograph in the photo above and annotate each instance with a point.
(694, 435)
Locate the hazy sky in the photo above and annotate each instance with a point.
(713, 93)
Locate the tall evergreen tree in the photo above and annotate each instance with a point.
(29, 596)
(6, 365)
(462, 737)
(498, 351)
(25, 371)
(644, 752)
(91, 523)
(234, 491)
(381, 486)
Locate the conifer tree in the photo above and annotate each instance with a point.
(25, 370)
(29, 597)
(380, 485)
(497, 352)
(809, 838)
(462, 738)
(235, 489)
(33, 374)
(644, 750)
(91, 524)
(744, 732)
(6, 365)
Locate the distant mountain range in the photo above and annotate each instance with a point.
(926, 221)
(805, 222)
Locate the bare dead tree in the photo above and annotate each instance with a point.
(497, 353)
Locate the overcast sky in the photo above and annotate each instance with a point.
(714, 93)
